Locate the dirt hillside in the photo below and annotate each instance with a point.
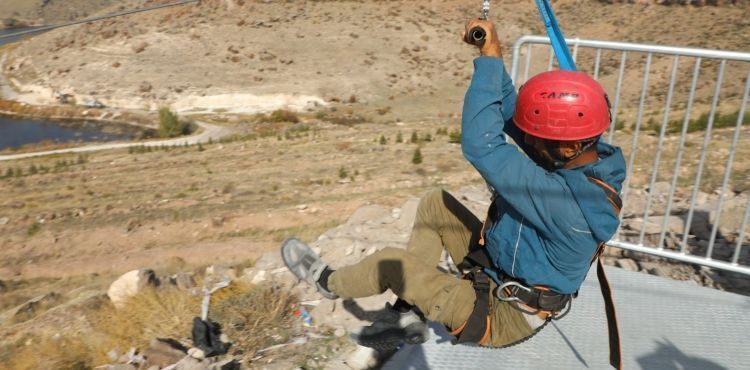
(401, 56)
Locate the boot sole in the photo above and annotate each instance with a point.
(392, 338)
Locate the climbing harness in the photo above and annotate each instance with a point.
(535, 300)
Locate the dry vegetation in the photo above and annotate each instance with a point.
(254, 318)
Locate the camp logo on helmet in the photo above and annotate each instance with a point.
(558, 95)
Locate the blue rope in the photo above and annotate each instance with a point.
(555, 36)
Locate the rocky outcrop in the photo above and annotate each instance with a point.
(129, 284)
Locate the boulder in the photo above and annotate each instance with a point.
(183, 280)
(368, 213)
(732, 214)
(627, 264)
(228, 364)
(190, 363)
(363, 358)
(164, 352)
(130, 284)
(220, 272)
(35, 306)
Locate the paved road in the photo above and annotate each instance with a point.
(208, 131)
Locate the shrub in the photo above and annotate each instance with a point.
(282, 115)
(34, 352)
(383, 140)
(399, 138)
(33, 229)
(170, 125)
(454, 136)
(383, 111)
(417, 157)
(342, 173)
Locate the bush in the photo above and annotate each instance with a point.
(33, 229)
(399, 138)
(383, 140)
(454, 136)
(342, 173)
(170, 125)
(283, 115)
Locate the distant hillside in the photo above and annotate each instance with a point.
(19, 13)
(399, 59)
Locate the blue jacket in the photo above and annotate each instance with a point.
(549, 223)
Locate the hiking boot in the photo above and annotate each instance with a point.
(305, 264)
(393, 329)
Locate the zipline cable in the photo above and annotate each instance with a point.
(98, 18)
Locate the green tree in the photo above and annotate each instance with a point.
(417, 157)
(170, 125)
(414, 137)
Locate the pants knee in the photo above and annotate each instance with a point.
(390, 253)
(429, 200)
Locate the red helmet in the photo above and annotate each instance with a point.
(562, 105)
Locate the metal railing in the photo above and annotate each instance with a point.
(663, 160)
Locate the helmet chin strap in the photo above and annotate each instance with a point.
(558, 161)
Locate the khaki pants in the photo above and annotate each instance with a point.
(442, 222)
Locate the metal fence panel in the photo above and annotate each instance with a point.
(679, 116)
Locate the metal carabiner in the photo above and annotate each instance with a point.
(501, 288)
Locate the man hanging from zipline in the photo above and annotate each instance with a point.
(552, 209)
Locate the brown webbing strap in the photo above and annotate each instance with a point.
(613, 329)
(476, 328)
(615, 351)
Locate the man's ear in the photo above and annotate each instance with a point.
(569, 149)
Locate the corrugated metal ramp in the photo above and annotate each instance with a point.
(664, 324)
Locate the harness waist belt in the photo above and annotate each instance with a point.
(540, 299)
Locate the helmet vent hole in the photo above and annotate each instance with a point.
(536, 111)
(580, 114)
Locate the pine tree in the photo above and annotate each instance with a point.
(417, 157)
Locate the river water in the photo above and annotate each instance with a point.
(16, 132)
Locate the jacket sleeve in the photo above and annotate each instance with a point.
(488, 107)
